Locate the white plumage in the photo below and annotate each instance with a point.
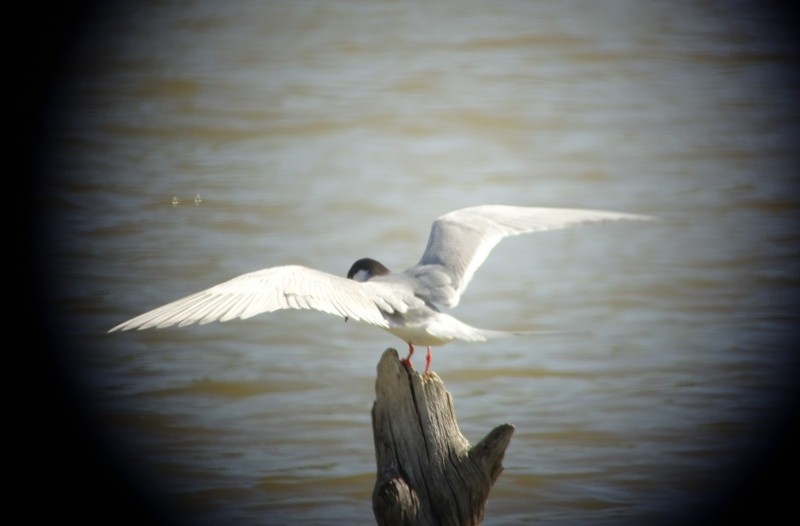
(406, 304)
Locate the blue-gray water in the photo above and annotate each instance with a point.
(317, 133)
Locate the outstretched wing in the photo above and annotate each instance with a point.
(271, 289)
(461, 240)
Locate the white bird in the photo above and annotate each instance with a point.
(407, 304)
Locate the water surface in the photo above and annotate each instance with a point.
(317, 133)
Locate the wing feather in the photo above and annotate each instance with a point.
(460, 241)
(267, 290)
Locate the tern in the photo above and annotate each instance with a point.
(408, 304)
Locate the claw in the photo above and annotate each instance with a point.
(427, 361)
(407, 360)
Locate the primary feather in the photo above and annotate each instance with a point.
(406, 304)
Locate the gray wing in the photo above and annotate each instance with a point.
(461, 240)
(271, 289)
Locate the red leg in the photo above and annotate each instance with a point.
(407, 359)
(428, 360)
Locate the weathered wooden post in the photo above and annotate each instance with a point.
(427, 472)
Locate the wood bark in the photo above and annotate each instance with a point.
(427, 472)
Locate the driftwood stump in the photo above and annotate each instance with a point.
(427, 472)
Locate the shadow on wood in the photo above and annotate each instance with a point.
(427, 472)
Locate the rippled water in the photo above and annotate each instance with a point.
(321, 132)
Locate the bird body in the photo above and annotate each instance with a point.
(406, 304)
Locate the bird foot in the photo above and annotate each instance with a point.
(407, 360)
(427, 362)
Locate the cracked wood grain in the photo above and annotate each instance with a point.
(427, 472)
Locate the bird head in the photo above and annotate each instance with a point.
(365, 269)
